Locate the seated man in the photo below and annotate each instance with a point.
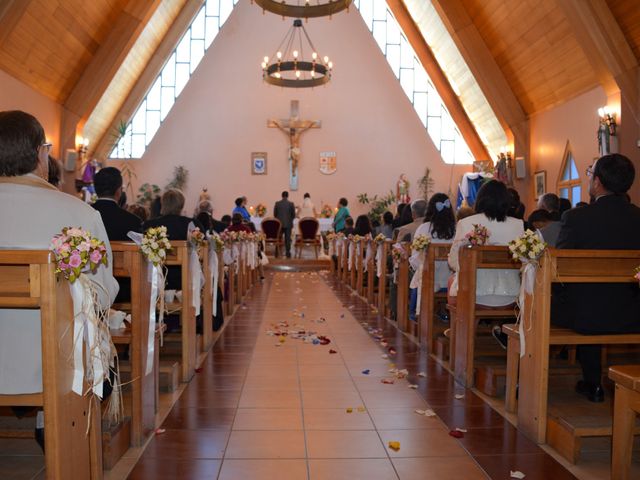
(418, 210)
(117, 221)
(610, 223)
(32, 212)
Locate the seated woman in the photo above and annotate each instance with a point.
(237, 224)
(363, 226)
(494, 287)
(177, 228)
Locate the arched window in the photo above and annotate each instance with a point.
(569, 181)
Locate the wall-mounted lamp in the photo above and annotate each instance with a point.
(608, 119)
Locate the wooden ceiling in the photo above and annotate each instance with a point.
(627, 13)
(47, 44)
(533, 44)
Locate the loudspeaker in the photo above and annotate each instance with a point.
(70, 160)
(521, 168)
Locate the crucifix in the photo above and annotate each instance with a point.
(293, 128)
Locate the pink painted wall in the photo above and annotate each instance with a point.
(221, 117)
(15, 95)
(575, 121)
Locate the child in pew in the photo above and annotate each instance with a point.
(440, 226)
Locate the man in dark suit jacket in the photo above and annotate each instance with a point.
(285, 211)
(117, 221)
(609, 223)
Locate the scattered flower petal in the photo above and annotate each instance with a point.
(413, 386)
(459, 396)
(366, 372)
(198, 370)
(427, 413)
(332, 351)
(463, 430)
(392, 351)
(456, 434)
(385, 356)
(421, 374)
(388, 381)
(160, 431)
(361, 409)
(516, 474)
(349, 410)
(395, 446)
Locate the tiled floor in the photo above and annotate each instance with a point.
(266, 409)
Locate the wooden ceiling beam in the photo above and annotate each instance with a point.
(149, 75)
(439, 79)
(486, 71)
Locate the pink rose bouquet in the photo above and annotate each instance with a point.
(478, 236)
(197, 238)
(76, 251)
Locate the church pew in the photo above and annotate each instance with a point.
(345, 261)
(371, 273)
(382, 280)
(359, 264)
(129, 262)
(465, 315)
(428, 303)
(402, 297)
(207, 299)
(179, 256)
(626, 409)
(28, 280)
(230, 300)
(353, 261)
(558, 266)
(332, 250)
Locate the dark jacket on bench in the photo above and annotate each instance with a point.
(611, 223)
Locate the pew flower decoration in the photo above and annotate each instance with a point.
(76, 252)
(420, 243)
(229, 237)
(217, 242)
(331, 236)
(528, 247)
(155, 245)
(380, 238)
(326, 211)
(261, 210)
(637, 275)
(398, 253)
(478, 236)
(357, 239)
(197, 238)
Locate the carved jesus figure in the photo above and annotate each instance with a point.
(294, 134)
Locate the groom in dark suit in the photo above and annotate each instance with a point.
(285, 211)
(611, 222)
(117, 221)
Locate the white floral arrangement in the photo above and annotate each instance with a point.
(331, 236)
(420, 243)
(398, 253)
(528, 247)
(155, 245)
(229, 237)
(76, 251)
(218, 243)
(380, 238)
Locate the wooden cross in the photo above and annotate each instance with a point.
(293, 128)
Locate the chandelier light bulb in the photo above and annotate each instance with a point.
(313, 74)
(279, 55)
(326, 59)
(297, 73)
(330, 65)
(314, 55)
(295, 54)
(266, 59)
(277, 74)
(264, 65)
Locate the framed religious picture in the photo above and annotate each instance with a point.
(328, 162)
(540, 183)
(259, 163)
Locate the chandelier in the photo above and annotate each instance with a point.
(289, 69)
(304, 8)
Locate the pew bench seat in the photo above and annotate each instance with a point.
(625, 412)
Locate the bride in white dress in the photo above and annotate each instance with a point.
(307, 209)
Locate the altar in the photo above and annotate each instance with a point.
(325, 224)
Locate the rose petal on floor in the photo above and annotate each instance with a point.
(395, 446)
(516, 474)
(456, 434)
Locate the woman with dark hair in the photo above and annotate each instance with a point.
(440, 226)
(406, 217)
(55, 172)
(397, 219)
(363, 226)
(494, 287)
(386, 228)
(516, 207)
